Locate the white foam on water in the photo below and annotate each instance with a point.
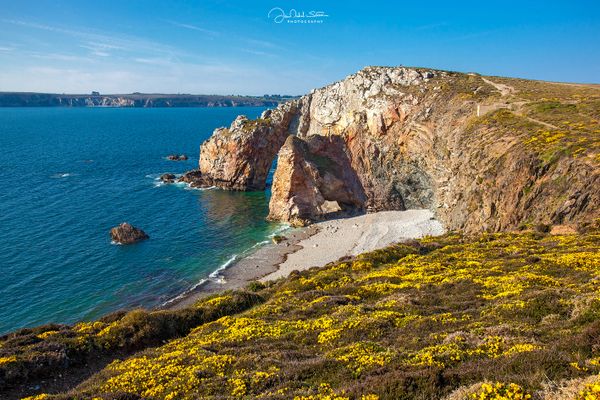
(183, 294)
(188, 187)
(62, 175)
(215, 273)
(213, 277)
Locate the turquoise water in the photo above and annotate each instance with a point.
(69, 175)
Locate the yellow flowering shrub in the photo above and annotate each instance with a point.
(591, 391)
(500, 391)
(6, 360)
(363, 355)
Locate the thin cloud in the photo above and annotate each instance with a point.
(470, 36)
(262, 43)
(100, 49)
(258, 53)
(152, 61)
(59, 57)
(193, 28)
(102, 41)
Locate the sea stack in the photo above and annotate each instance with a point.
(127, 234)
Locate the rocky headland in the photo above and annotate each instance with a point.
(136, 100)
(481, 153)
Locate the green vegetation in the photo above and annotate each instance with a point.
(499, 316)
(555, 120)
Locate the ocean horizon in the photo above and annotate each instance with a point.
(71, 174)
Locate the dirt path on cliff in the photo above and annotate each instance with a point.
(507, 90)
(504, 90)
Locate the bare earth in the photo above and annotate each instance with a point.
(316, 246)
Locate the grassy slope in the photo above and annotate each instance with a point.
(571, 112)
(417, 320)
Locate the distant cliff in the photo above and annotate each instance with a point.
(26, 99)
(484, 153)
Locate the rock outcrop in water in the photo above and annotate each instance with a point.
(127, 234)
(239, 157)
(168, 178)
(177, 157)
(411, 138)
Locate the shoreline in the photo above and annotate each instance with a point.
(253, 266)
(313, 246)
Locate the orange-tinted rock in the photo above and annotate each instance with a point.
(313, 179)
(239, 157)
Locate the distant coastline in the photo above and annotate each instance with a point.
(136, 100)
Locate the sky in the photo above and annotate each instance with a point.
(264, 47)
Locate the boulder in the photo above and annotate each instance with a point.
(278, 239)
(127, 234)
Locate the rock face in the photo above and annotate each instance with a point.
(401, 138)
(127, 234)
(314, 178)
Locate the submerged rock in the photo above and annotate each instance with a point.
(177, 157)
(278, 239)
(127, 234)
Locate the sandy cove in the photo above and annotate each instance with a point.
(317, 245)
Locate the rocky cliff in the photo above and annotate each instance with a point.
(483, 153)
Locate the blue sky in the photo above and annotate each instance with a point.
(234, 47)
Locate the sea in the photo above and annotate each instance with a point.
(68, 175)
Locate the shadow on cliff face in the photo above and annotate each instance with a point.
(339, 182)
